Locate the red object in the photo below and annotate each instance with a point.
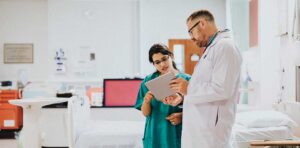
(253, 19)
(11, 116)
(120, 92)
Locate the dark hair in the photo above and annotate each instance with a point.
(163, 49)
(201, 13)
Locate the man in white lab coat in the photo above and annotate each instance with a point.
(209, 99)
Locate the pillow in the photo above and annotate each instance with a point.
(263, 118)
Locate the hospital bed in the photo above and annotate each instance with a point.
(255, 127)
(243, 136)
(86, 133)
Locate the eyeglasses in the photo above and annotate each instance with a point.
(191, 29)
(163, 59)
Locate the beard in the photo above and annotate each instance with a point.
(201, 44)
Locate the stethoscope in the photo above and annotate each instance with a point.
(212, 39)
(209, 43)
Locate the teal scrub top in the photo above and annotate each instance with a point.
(159, 132)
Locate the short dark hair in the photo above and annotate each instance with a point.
(160, 48)
(208, 16)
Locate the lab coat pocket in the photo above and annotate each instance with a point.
(205, 70)
(214, 116)
(217, 117)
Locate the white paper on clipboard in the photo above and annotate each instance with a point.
(160, 86)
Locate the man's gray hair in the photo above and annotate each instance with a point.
(201, 14)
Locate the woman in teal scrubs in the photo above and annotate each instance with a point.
(163, 122)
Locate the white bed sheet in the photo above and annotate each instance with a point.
(112, 134)
(243, 134)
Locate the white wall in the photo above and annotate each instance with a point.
(24, 22)
(120, 32)
(277, 53)
(274, 53)
(269, 54)
(290, 56)
(161, 20)
(239, 10)
(109, 28)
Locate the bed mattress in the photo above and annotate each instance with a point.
(243, 134)
(112, 134)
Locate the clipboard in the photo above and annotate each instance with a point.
(160, 86)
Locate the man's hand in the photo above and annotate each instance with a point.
(179, 85)
(173, 100)
(175, 118)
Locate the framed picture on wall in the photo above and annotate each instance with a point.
(16, 53)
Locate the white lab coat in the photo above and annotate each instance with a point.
(210, 104)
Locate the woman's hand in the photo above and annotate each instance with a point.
(175, 118)
(146, 106)
(148, 97)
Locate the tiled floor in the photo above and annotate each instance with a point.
(8, 143)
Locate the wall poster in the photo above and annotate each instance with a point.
(15, 53)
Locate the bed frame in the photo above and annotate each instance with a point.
(292, 109)
(281, 143)
(80, 126)
(289, 108)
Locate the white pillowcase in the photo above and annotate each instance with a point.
(263, 118)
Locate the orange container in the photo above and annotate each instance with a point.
(9, 94)
(11, 116)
